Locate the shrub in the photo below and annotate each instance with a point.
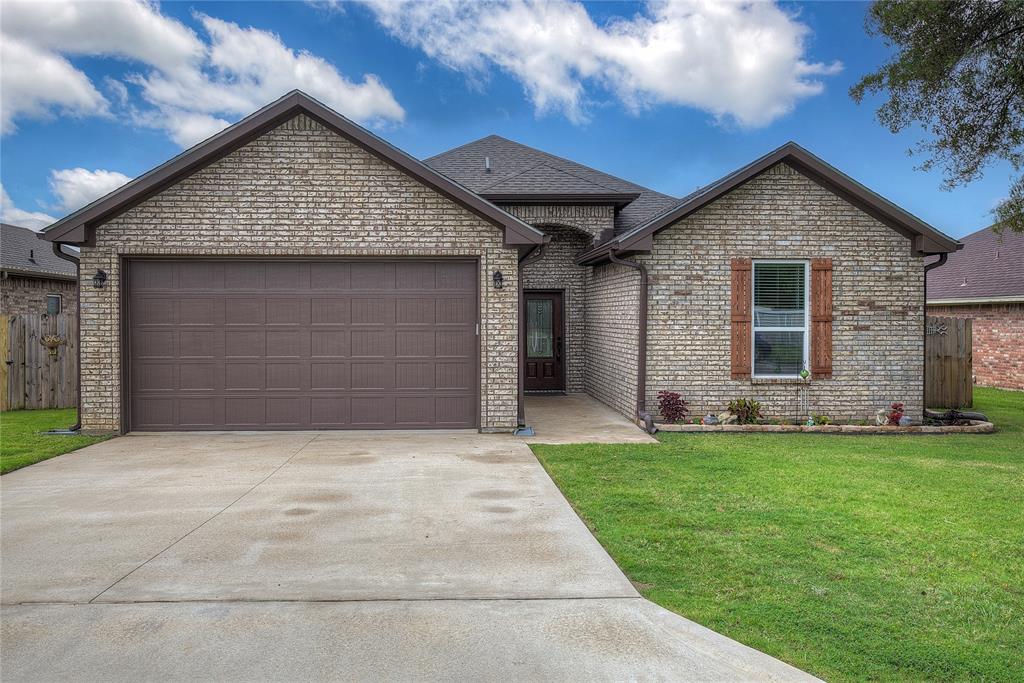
(746, 410)
(672, 406)
(895, 413)
(821, 419)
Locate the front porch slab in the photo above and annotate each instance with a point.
(578, 418)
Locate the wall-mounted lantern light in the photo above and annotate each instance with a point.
(499, 280)
(99, 279)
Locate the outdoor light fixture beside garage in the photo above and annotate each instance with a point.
(99, 279)
(499, 280)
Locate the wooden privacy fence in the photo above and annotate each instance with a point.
(39, 361)
(948, 365)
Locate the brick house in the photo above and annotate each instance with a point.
(32, 278)
(297, 272)
(985, 282)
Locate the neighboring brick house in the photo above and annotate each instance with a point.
(32, 278)
(985, 282)
(295, 271)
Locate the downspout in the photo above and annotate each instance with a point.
(60, 253)
(525, 260)
(924, 353)
(641, 360)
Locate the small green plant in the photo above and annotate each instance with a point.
(746, 410)
(821, 419)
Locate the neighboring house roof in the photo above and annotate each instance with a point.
(989, 268)
(530, 170)
(23, 253)
(77, 227)
(924, 238)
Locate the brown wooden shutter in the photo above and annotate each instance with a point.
(821, 317)
(741, 318)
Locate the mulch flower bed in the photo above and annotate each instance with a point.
(973, 427)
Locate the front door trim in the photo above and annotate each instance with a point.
(557, 383)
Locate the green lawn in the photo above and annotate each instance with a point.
(21, 441)
(852, 557)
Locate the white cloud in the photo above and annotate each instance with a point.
(191, 87)
(9, 213)
(76, 187)
(35, 83)
(742, 61)
(247, 68)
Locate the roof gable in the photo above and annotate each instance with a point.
(924, 238)
(467, 164)
(77, 228)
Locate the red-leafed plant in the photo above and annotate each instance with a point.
(672, 406)
(895, 413)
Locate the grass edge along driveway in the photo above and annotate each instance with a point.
(22, 443)
(851, 557)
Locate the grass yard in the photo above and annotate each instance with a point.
(22, 444)
(852, 557)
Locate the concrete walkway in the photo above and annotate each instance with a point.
(324, 555)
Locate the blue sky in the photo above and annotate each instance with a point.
(600, 87)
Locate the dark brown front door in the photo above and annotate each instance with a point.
(361, 344)
(544, 341)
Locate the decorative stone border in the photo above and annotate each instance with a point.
(975, 427)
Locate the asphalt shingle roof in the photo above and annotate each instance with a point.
(989, 265)
(529, 170)
(21, 250)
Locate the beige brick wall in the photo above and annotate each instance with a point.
(299, 190)
(19, 295)
(612, 336)
(877, 300)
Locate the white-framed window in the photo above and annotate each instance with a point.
(781, 318)
(53, 304)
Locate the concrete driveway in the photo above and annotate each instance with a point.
(324, 555)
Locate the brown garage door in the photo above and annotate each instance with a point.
(244, 344)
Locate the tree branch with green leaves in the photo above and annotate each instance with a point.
(957, 71)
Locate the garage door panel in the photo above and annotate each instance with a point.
(156, 343)
(198, 376)
(198, 343)
(287, 412)
(155, 377)
(287, 343)
(329, 343)
(198, 412)
(242, 412)
(245, 310)
(245, 343)
(299, 345)
(284, 376)
(245, 376)
(373, 375)
(206, 275)
(329, 376)
(329, 311)
(416, 343)
(200, 311)
(154, 310)
(244, 275)
(331, 412)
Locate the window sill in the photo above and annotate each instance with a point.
(779, 380)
